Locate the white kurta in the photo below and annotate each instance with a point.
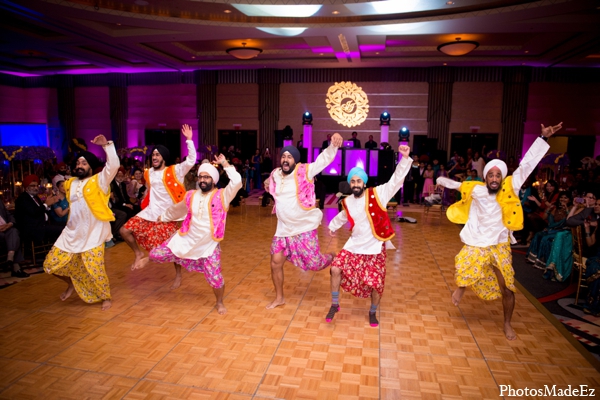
(292, 219)
(160, 199)
(362, 240)
(84, 231)
(484, 227)
(198, 242)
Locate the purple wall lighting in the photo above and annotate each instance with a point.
(371, 47)
(355, 158)
(335, 168)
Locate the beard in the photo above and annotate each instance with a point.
(491, 190)
(160, 165)
(81, 173)
(357, 191)
(206, 187)
(33, 192)
(287, 164)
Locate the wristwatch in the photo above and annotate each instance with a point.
(108, 143)
(544, 137)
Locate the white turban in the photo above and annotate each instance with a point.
(501, 165)
(211, 170)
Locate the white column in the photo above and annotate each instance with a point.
(385, 134)
(307, 142)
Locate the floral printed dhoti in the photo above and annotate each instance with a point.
(475, 268)
(150, 234)
(302, 250)
(85, 269)
(361, 273)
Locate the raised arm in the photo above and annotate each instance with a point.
(326, 156)
(533, 156)
(112, 162)
(184, 167)
(448, 183)
(174, 213)
(235, 179)
(387, 190)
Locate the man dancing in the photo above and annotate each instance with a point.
(360, 267)
(77, 257)
(296, 239)
(490, 212)
(164, 188)
(196, 246)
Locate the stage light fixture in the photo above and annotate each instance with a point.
(385, 118)
(404, 134)
(307, 118)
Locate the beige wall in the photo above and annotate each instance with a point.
(476, 104)
(237, 104)
(405, 101)
(92, 115)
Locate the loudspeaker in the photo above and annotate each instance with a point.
(385, 166)
(279, 135)
(303, 154)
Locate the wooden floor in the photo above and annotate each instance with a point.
(159, 343)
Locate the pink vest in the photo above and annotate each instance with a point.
(217, 216)
(305, 188)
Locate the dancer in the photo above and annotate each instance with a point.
(360, 267)
(196, 246)
(165, 188)
(296, 239)
(490, 212)
(77, 257)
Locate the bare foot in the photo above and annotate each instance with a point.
(221, 309)
(106, 304)
(67, 293)
(509, 332)
(176, 283)
(275, 303)
(139, 263)
(457, 295)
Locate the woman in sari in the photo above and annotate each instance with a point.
(542, 242)
(592, 265)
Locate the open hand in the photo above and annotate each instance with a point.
(220, 159)
(337, 140)
(548, 131)
(186, 130)
(100, 140)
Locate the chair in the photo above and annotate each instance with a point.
(437, 190)
(37, 249)
(578, 260)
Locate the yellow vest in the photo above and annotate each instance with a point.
(512, 213)
(94, 197)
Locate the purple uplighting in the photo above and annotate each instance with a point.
(371, 47)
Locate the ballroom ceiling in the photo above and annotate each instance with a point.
(45, 37)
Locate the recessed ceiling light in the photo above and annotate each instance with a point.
(320, 54)
(193, 56)
(227, 11)
(377, 53)
(526, 51)
(450, 3)
(118, 24)
(141, 2)
(335, 12)
(445, 63)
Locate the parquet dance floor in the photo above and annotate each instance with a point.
(157, 343)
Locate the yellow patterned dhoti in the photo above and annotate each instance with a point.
(475, 268)
(86, 271)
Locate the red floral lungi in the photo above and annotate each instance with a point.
(361, 273)
(150, 234)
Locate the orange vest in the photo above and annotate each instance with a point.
(381, 226)
(175, 188)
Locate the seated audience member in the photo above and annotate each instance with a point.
(60, 209)
(542, 241)
(10, 236)
(473, 176)
(591, 238)
(136, 188)
(536, 221)
(32, 214)
(122, 201)
(121, 217)
(61, 174)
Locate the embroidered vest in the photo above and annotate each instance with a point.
(217, 217)
(512, 213)
(305, 188)
(175, 188)
(95, 198)
(381, 226)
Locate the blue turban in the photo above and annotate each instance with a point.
(293, 152)
(360, 172)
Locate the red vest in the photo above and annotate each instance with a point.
(381, 226)
(175, 188)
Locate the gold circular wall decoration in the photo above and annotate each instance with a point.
(347, 103)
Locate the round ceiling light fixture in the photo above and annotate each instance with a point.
(458, 48)
(244, 53)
